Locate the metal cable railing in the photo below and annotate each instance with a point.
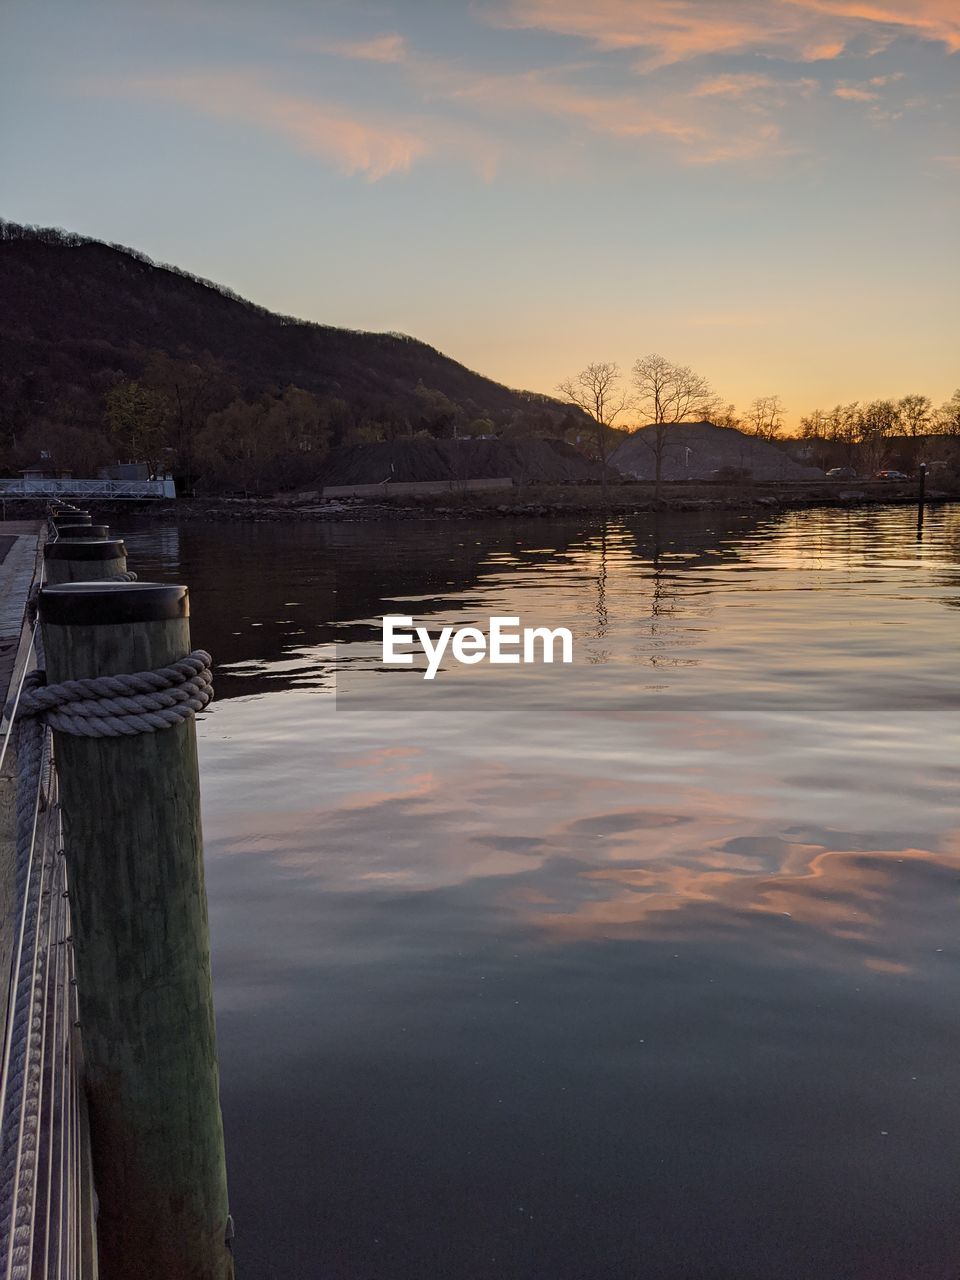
(46, 1200)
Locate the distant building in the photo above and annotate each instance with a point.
(125, 471)
(45, 469)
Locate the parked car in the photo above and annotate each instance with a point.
(841, 473)
(891, 475)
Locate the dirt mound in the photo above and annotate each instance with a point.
(695, 450)
(525, 461)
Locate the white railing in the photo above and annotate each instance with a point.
(132, 490)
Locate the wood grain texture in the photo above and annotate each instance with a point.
(133, 843)
(58, 571)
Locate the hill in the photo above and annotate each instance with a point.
(694, 450)
(76, 315)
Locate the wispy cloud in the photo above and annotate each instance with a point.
(753, 92)
(502, 105)
(616, 114)
(733, 86)
(937, 20)
(365, 145)
(872, 92)
(855, 93)
(385, 48)
(671, 31)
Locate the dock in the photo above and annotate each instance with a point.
(111, 1138)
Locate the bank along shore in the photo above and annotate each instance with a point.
(538, 501)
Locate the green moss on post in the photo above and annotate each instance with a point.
(131, 813)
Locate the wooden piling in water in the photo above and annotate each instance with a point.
(73, 517)
(88, 532)
(131, 813)
(80, 561)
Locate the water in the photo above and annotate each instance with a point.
(644, 967)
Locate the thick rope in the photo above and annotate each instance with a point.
(123, 705)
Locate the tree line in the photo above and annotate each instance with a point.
(190, 416)
(911, 417)
(660, 393)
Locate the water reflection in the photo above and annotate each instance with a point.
(645, 967)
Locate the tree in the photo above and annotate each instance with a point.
(78, 449)
(666, 394)
(915, 415)
(878, 420)
(194, 387)
(726, 416)
(264, 445)
(437, 413)
(764, 418)
(815, 426)
(137, 419)
(947, 419)
(598, 391)
(843, 424)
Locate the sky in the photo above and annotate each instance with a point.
(767, 190)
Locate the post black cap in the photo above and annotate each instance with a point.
(105, 603)
(88, 532)
(71, 517)
(106, 549)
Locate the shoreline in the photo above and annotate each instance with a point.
(543, 501)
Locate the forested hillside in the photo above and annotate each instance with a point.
(106, 355)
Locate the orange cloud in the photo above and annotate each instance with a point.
(937, 20)
(374, 148)
(851, 93)
(625, 114)
(676, 30)
(733, 86)
(385, 48)
(620, 115)
(868, 91)
(673, 30)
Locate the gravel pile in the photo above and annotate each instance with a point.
(525, 461)
(695, 450)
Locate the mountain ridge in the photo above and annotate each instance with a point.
(77, 313)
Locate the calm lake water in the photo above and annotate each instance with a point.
(641, 968)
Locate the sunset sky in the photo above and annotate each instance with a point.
(765, 189)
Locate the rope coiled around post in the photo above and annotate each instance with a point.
(124, 705)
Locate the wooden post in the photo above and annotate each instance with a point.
(74, 517)
(131, 814)
(70, 561)
(88, 532)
